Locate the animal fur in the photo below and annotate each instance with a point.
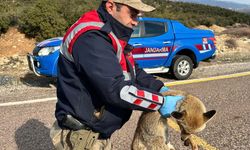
(152, 129)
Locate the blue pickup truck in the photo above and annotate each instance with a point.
(160, 46)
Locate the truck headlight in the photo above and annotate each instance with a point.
(48, 50)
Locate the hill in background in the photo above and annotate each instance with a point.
(43, 19)
(197, 14)
(224, 4)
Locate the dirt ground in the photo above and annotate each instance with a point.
(233, 44)
(14, 47)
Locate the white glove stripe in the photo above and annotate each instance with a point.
(141, 98)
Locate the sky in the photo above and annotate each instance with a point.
(239, 1)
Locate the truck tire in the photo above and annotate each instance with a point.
(182, 67)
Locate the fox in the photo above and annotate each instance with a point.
(152, 129)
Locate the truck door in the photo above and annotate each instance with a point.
(153, 42)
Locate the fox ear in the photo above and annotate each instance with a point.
(209, 115)
(178, 115)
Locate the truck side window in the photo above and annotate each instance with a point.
(137, 31)
(153, 28)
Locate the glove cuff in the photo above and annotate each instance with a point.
(164, 89)
(169, 105)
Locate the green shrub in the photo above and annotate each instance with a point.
(71, 10)
(46, 19)
(42, 20)
(4, 17)
(4, 24)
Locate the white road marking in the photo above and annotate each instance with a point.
(167, 84)
(191, 81)
(28, 102)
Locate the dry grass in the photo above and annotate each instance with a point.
(231, 43)
(238, 32)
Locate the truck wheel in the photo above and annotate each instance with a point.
(182, 67)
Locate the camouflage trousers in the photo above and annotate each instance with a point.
(77, 140)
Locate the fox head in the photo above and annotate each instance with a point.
(192, 116)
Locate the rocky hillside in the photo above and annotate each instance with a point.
(232, 42)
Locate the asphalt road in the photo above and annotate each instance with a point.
(26, 127)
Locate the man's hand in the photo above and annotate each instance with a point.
(169, 105)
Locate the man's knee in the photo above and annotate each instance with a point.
(77, 140)
(59, 137)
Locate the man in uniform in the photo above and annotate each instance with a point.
(99, 84)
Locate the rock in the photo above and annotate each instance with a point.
(217, 29)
